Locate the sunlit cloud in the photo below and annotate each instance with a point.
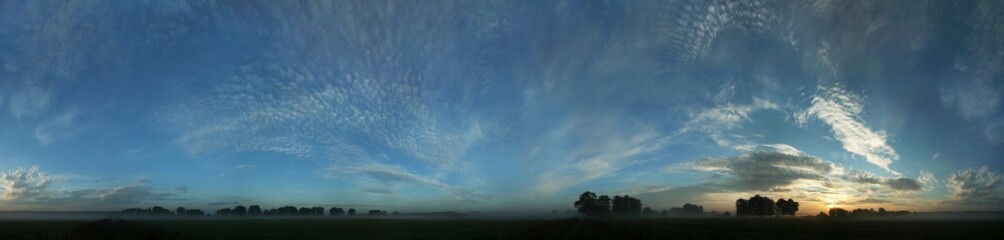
(841, 110)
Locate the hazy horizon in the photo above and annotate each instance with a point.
(500, 106)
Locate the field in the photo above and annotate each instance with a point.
(459, 228)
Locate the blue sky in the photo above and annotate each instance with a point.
(500, 106)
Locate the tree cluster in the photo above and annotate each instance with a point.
(786, 207)
(626, 206)
(591, 205)
(687, 210)
(763, 206)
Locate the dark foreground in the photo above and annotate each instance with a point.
(503, 229)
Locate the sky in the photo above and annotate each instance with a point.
(500, 105)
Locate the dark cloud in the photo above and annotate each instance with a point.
(903, 183)
(897, 183)
(678, 196)
(764, 171)
(872, 200)
(132, 195)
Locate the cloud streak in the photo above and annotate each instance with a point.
(841, 110)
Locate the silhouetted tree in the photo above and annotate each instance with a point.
(317, 211)
(742, 208)
(821, 214)
(158, 210)
(181, 211)
(195, 212)
(786, 207)
(756, 206)
(590, 205)
(648, 212)
(626, 206)
(603, 205)
(375, 213)
(688, 209)
(352, 211)
(224, 212)
(336, 211)
(254, 211)
(838, 213)
(240, 211)
(395, 213)
(286, 211)
(305, 211)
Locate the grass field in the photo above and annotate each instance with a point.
(724, 228)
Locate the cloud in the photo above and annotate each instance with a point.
(693, 26)
(24, 185)
(978, 187)
(995, 132)
(223, 203)
(782, 169)
(600, 149)
(927, 180)
(56, 128)
(718, 120)
(244, 166)
(389, 177)
(33, 188)
(873, 200)
(131, 195)
(897, 183)
(972, 99)
(841, 110)
(29, 102)
(902, 183)
(765, 170)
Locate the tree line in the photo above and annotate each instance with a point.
(252, 211)
(861, 212)
(593, 205)
(590, 204)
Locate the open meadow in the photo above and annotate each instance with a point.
(463, 228)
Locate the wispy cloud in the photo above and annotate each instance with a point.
(717, 121)
(600, 149)
(388, 177)
(56, 128)
(29, 102)
(841, 110)
(244, 166)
